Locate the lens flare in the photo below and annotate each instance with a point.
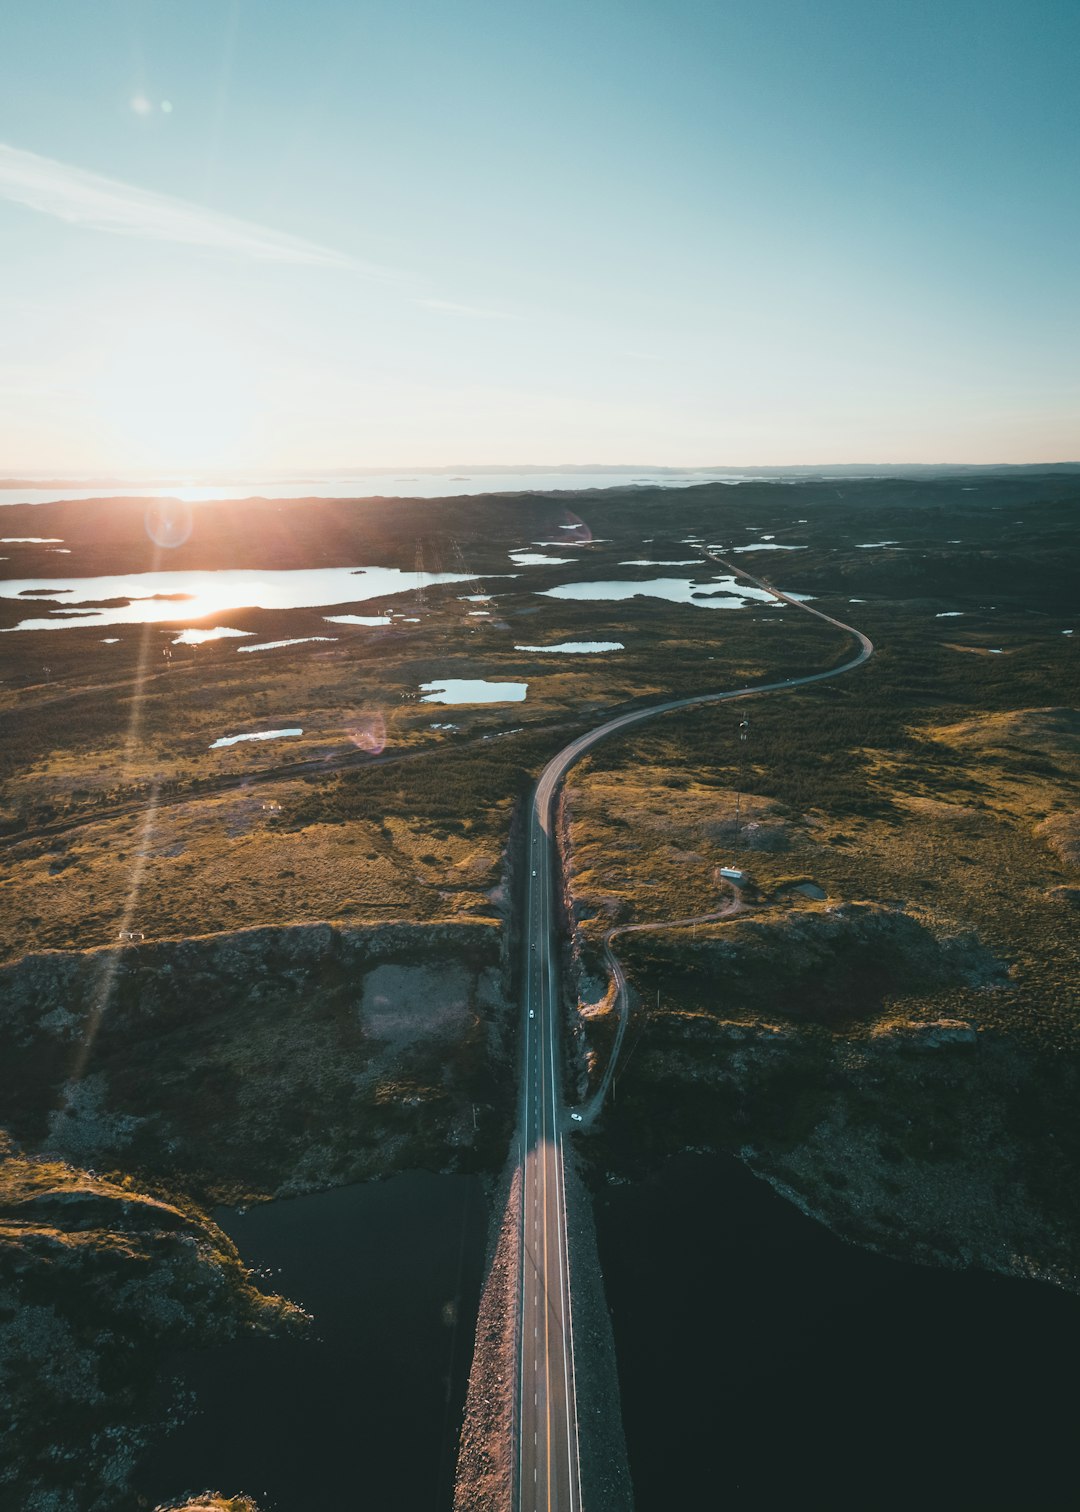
(368, 733)
(168, 522)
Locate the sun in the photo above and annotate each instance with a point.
(181, 398)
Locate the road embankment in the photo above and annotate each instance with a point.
(605, 1469)
(484, 1481)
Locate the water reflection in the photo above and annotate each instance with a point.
(577, 648)
(467, 690)
(706, 593)
(766, 545)
(296, 640)
(538, 559)
(152, 597)
(197, 637)
(357, 619)
(228, 740)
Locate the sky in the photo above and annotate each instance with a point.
(269, 236)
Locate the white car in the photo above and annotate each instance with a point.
(534, 874)
(531, 1013)
(576, 1117)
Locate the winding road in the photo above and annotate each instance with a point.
(546, 1451)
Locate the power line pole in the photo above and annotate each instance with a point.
(421, 600)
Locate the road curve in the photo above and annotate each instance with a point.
(588, 1112)
(546, 1452)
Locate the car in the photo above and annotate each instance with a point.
(576, 1117)
(532, 1013)
(534, 874)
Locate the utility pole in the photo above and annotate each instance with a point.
(744, 733)
(421, 600)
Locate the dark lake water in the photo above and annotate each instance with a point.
(364, 1413)
(765, 1364)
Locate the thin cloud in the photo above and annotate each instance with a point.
(104, 204)
(452, 307)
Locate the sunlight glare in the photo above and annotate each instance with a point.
(181, 396)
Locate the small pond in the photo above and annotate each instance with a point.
(198, 637)
(765, 544)
(357, 619)
(297, 640)
(722, 592)
(576, 648)
(471, 690)
(228, 740)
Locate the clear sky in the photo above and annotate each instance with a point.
(288, 234)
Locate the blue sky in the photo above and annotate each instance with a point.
(251, 234)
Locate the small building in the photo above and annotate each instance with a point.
(733, 875)
(131, 937)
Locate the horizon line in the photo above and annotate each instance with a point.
(39, 478)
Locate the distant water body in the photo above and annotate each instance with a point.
(378, 485)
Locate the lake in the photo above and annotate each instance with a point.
(472, 690)
(163, 597)
(766, 1364)
(716, 592)
(365, 1412)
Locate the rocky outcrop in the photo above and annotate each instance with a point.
(269, 1061)
(97, 1282)
(933, 1141)
(211, 1501)
(908, 1034)
(838, 965)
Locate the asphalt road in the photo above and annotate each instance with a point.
(546, 1451)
